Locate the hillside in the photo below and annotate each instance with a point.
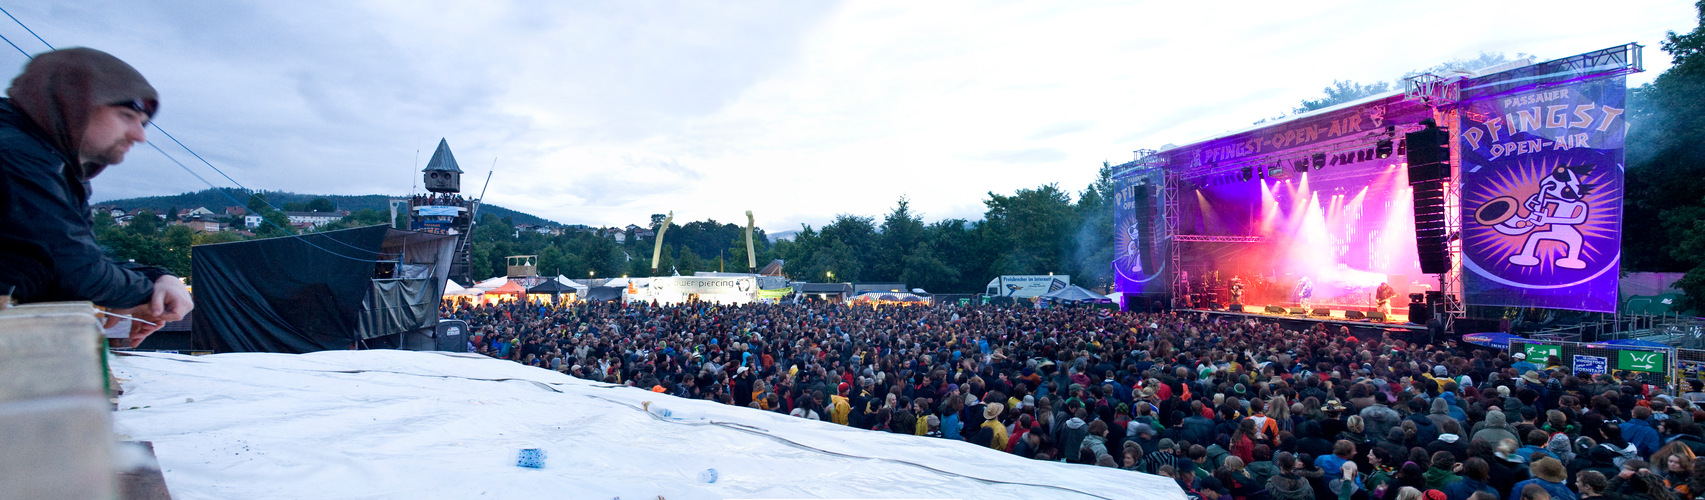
(216, 201)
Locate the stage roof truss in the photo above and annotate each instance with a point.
(1620, 60)
(1262, 162)
(1203, 238)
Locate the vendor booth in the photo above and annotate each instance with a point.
(717, 289)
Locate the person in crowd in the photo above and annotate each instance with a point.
(1193, 396)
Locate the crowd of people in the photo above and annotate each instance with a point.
(1228, 408)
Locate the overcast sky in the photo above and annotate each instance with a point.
(605, 112)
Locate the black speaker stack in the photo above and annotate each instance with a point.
(1428, 154)
(1143, 197)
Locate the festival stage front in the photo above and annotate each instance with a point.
(1393, 324)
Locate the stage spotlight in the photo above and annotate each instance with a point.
(1248, 173)
(1319, 161)
(1382, 149)
(1300, 165)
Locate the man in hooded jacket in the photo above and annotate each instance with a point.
(68, 116)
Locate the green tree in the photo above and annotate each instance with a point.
(1663, 202)
(321, 205)
(145, 223)
(902, 234)
(1342, 91)
(1033, 227)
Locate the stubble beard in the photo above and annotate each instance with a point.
(111, 155)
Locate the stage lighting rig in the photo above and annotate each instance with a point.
(1319, 161)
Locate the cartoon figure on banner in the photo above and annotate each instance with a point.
(1558, 205)
(1134, 250)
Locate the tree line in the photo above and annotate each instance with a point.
(1031, 231)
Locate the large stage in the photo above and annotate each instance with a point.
(1501, 187)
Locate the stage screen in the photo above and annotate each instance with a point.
(1542, 171)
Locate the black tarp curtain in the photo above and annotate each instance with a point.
(308, 293)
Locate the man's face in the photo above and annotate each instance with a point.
(111, 132)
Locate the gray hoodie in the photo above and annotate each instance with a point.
(1559, 446)
(1071, 436)
(1494, 429)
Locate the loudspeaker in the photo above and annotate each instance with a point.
(1235, 308)
(1376, 315)
(1298, 311)
(1419, 313)
(1322, 311)
(1428, 154)
(1143, 198)
(1215, 306)
(1426, 147)
(1276, 310)
(1354, 314)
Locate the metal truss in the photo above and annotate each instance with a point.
(1432, 90)
(1615, 61)
(1451, 281)
(1199, 238)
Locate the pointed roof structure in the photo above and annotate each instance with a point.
(442, 159)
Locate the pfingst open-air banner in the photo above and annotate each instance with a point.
(1542, 192)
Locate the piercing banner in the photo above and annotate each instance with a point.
(1542, 189)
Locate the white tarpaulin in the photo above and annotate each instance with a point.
(404, 424)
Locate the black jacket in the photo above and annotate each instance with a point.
(47, 242)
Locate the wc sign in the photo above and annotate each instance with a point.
(1640, 361)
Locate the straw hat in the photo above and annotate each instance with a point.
(992, 411)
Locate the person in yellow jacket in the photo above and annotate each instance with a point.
(840, 406)
(991, 421)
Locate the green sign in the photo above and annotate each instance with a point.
(1538, 354)
(1640, 361)
(778, 293)
(965, 301)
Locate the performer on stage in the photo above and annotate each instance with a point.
(1304, 292)
(1237, 289)
(1382, 298)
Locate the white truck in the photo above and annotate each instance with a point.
(1027, 285)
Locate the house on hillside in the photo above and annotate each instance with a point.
(195, 212)
(202, 224)
(236, 211)
(112, 210)
(252, 221)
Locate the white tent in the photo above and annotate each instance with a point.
(492, 283)
(579, 289)
(453, 288)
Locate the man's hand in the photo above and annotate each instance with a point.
(171, 299)
(170, 302)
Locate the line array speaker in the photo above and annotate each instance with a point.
(1428, 154)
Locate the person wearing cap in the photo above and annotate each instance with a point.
(71, 114)
(1161, 456)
